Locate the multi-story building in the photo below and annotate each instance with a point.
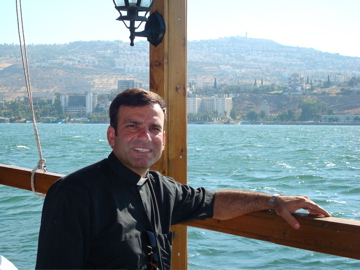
(336, 77)
(264, 106)
(125, 84)
(76, 103)
(136, 61)
(221, 105)
(296, 83)
(193, 104)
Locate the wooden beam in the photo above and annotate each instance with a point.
(18, 177)
(168, 78)
(331, 235)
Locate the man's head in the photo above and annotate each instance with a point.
(136, 132)
(134, 97)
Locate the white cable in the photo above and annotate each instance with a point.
(24, 58)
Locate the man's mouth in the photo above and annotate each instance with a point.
(143, 150)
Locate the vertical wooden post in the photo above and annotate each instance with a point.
(168, 78)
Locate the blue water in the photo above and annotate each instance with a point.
(320, 161)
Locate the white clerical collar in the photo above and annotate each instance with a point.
(142, 180)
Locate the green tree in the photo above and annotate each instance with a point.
(262, 115)
(288, 115)
(354, 81)
(98, 118)
(333, 119)
(312, 109)
(252, 115)
(233, 113)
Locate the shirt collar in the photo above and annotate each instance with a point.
(124, 172)
(141, 181)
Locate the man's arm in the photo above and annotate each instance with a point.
(233, 203)
(64, 229)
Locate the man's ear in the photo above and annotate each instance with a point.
(111, 136)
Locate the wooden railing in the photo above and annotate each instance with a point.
(330, 235)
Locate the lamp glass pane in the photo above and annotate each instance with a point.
(132, 2)
(120, 3)
(146, 3)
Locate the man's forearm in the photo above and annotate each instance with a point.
(233, 203)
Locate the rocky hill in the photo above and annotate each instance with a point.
(96, 66)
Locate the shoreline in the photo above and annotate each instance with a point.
(216, 123)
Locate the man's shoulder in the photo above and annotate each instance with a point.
(158, 176)
(163, 181)
(84, 176)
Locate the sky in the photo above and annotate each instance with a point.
(325, 25)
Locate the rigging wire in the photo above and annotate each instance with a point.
(24, 58)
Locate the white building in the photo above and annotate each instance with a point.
(76, 103)
(134, 61)
(264, 106)
(193, 104)
(126, 84)
(296, 83)
(222, 106)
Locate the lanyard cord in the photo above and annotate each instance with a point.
(24, 58)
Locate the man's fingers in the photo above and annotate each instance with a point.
(315, 209)
(290, 219)
(293, 203)
(321, 211)
(286, 205)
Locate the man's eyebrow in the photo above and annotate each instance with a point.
(132, 121)
(157, 125)
(135, 122)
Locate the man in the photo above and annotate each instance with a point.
(117, 213)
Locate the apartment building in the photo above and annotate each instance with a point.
(296, 83)
(264, 106)
(77, 103)
(221, 105)
(126, 84)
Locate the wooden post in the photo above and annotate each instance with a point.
(168, 78)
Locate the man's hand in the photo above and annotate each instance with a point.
(285, 206)
(234, 203)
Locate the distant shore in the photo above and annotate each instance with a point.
(210, 123)
(277, 123)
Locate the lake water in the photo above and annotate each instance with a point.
(322, 162)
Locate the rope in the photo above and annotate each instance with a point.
(24, 58)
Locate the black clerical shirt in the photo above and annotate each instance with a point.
(97, 217)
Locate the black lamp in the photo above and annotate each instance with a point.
(135, 11)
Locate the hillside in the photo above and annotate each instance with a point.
(340, 104)
(96, 66)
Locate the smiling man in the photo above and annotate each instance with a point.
(138, 138)
(117, 213)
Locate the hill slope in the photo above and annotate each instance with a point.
(96, 66)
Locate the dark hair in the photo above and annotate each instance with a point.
(134, 97)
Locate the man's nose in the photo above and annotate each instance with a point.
(144, 134)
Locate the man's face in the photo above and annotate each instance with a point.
(140, 138)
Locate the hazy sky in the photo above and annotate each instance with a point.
(326, 25)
